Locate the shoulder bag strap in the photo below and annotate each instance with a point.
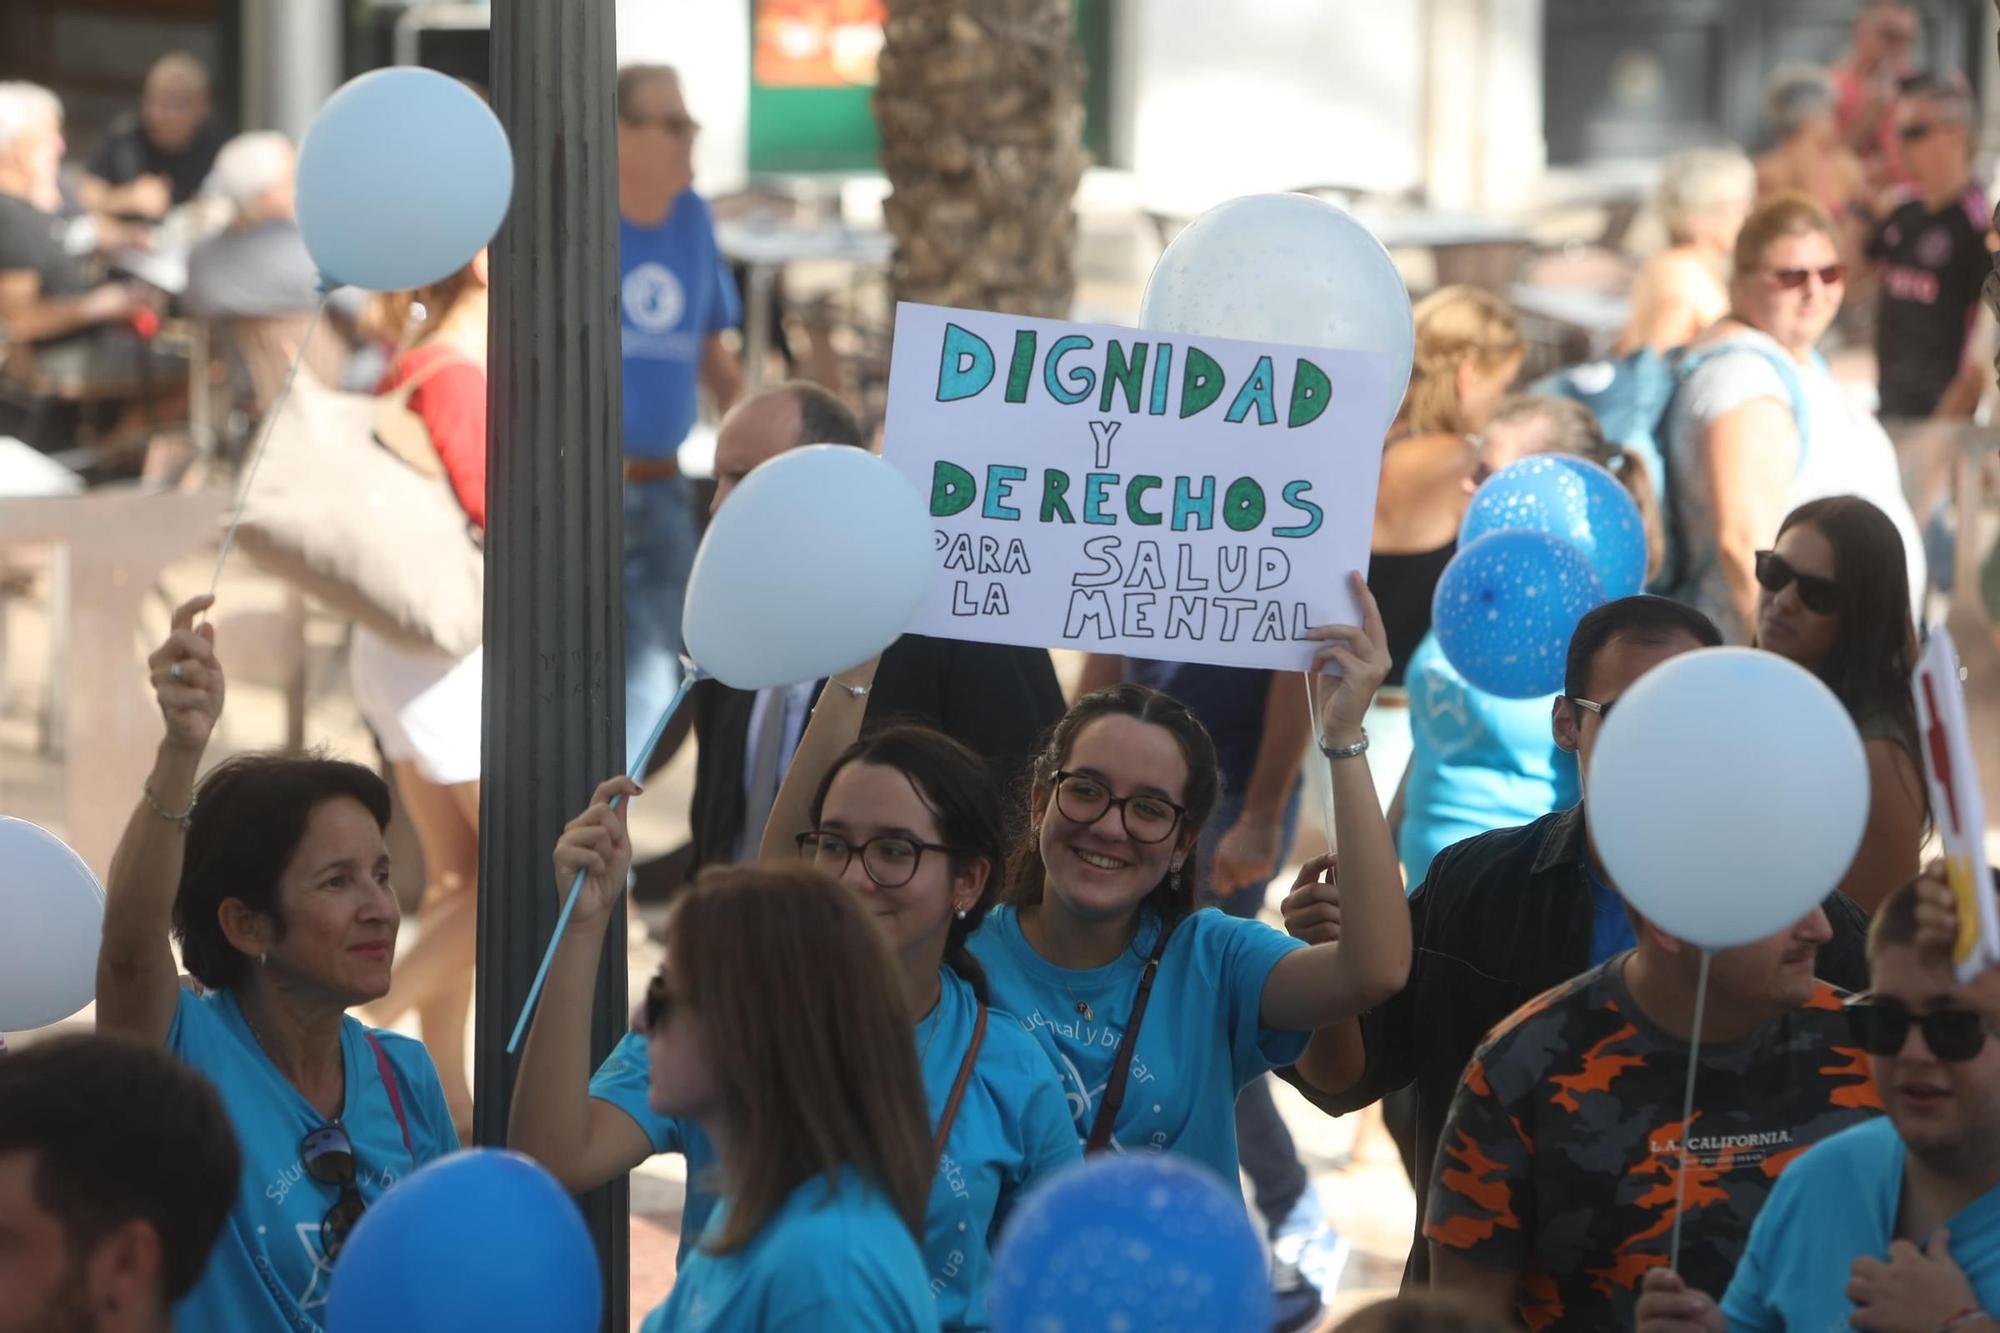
(388, 1073)
(1121, 1067)
(958, 1088)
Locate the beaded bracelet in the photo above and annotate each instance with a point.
(185, 818)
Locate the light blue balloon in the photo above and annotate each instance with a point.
(482, 1241)
(403, 175)
(820, 558)
(1130, 1242)
(1505, 608)
(1570, 498)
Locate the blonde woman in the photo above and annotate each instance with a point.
(1469, 351)
(1703, 197)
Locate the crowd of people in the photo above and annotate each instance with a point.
(948, 930)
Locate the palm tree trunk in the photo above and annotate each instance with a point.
(980, 105)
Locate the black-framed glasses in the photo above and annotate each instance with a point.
(1602, 710)
(890, 860)
(1791, 279)
(1083, 799)
(1880, 1027)
(328, 1157)
(1820, 594)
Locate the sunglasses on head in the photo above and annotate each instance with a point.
(328, 1157)
(1820, 594)
(1791, 279)
(1881, 1027)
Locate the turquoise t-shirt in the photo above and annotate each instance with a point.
(1833, 1205)
(1477, 762)
(1013, 1127)
(837, 1258)
(1200, 1042)
(268, 1270)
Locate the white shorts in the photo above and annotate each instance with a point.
(424, 707)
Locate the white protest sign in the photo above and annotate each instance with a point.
(1148, 494)
(1945, 737)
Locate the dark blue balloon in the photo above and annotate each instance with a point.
(482, 1241)
(1505, 608)
(1140, 1242)
(1570, 498)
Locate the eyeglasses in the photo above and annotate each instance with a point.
(1602, 710)
(328, 1156)
(1882, 1026)
(890, 860)
(1083, 800)
(674, 125)
(1791, 279)
(1820, 594)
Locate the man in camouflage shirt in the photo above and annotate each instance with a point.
(1556, 1178)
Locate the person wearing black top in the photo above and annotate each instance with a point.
(1934, 251)
(157, 159)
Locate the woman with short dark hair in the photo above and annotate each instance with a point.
(274, 877)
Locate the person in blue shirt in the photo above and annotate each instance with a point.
(274, 877)
(1480, 762)
(778, 1026)
(1154, 1015)
(1893, 1224)
(910, 822)
(675, 298)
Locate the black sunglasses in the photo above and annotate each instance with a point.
(328, 1156)
(1820, 594)
(1832, 275)
(1882, 1026)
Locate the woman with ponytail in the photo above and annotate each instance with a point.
(909, 821)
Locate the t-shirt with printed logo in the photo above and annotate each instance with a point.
(1561, 1154)
(1933, 265)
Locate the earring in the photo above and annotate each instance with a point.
(962, 913)
(1174, 880)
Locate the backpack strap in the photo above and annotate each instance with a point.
(388, 1073)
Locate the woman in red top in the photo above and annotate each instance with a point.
(424, 707)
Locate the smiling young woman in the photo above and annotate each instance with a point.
(1156, 1015)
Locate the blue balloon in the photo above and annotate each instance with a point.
(1130, 1242)
(403, 175)
(482, 1241)
(1570, 498)
(1505, 608)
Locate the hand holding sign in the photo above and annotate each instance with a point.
(1362, 656)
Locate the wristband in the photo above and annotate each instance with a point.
(185, 818)
(1359, 747)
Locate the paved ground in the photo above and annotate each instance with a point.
(1360, 1184)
